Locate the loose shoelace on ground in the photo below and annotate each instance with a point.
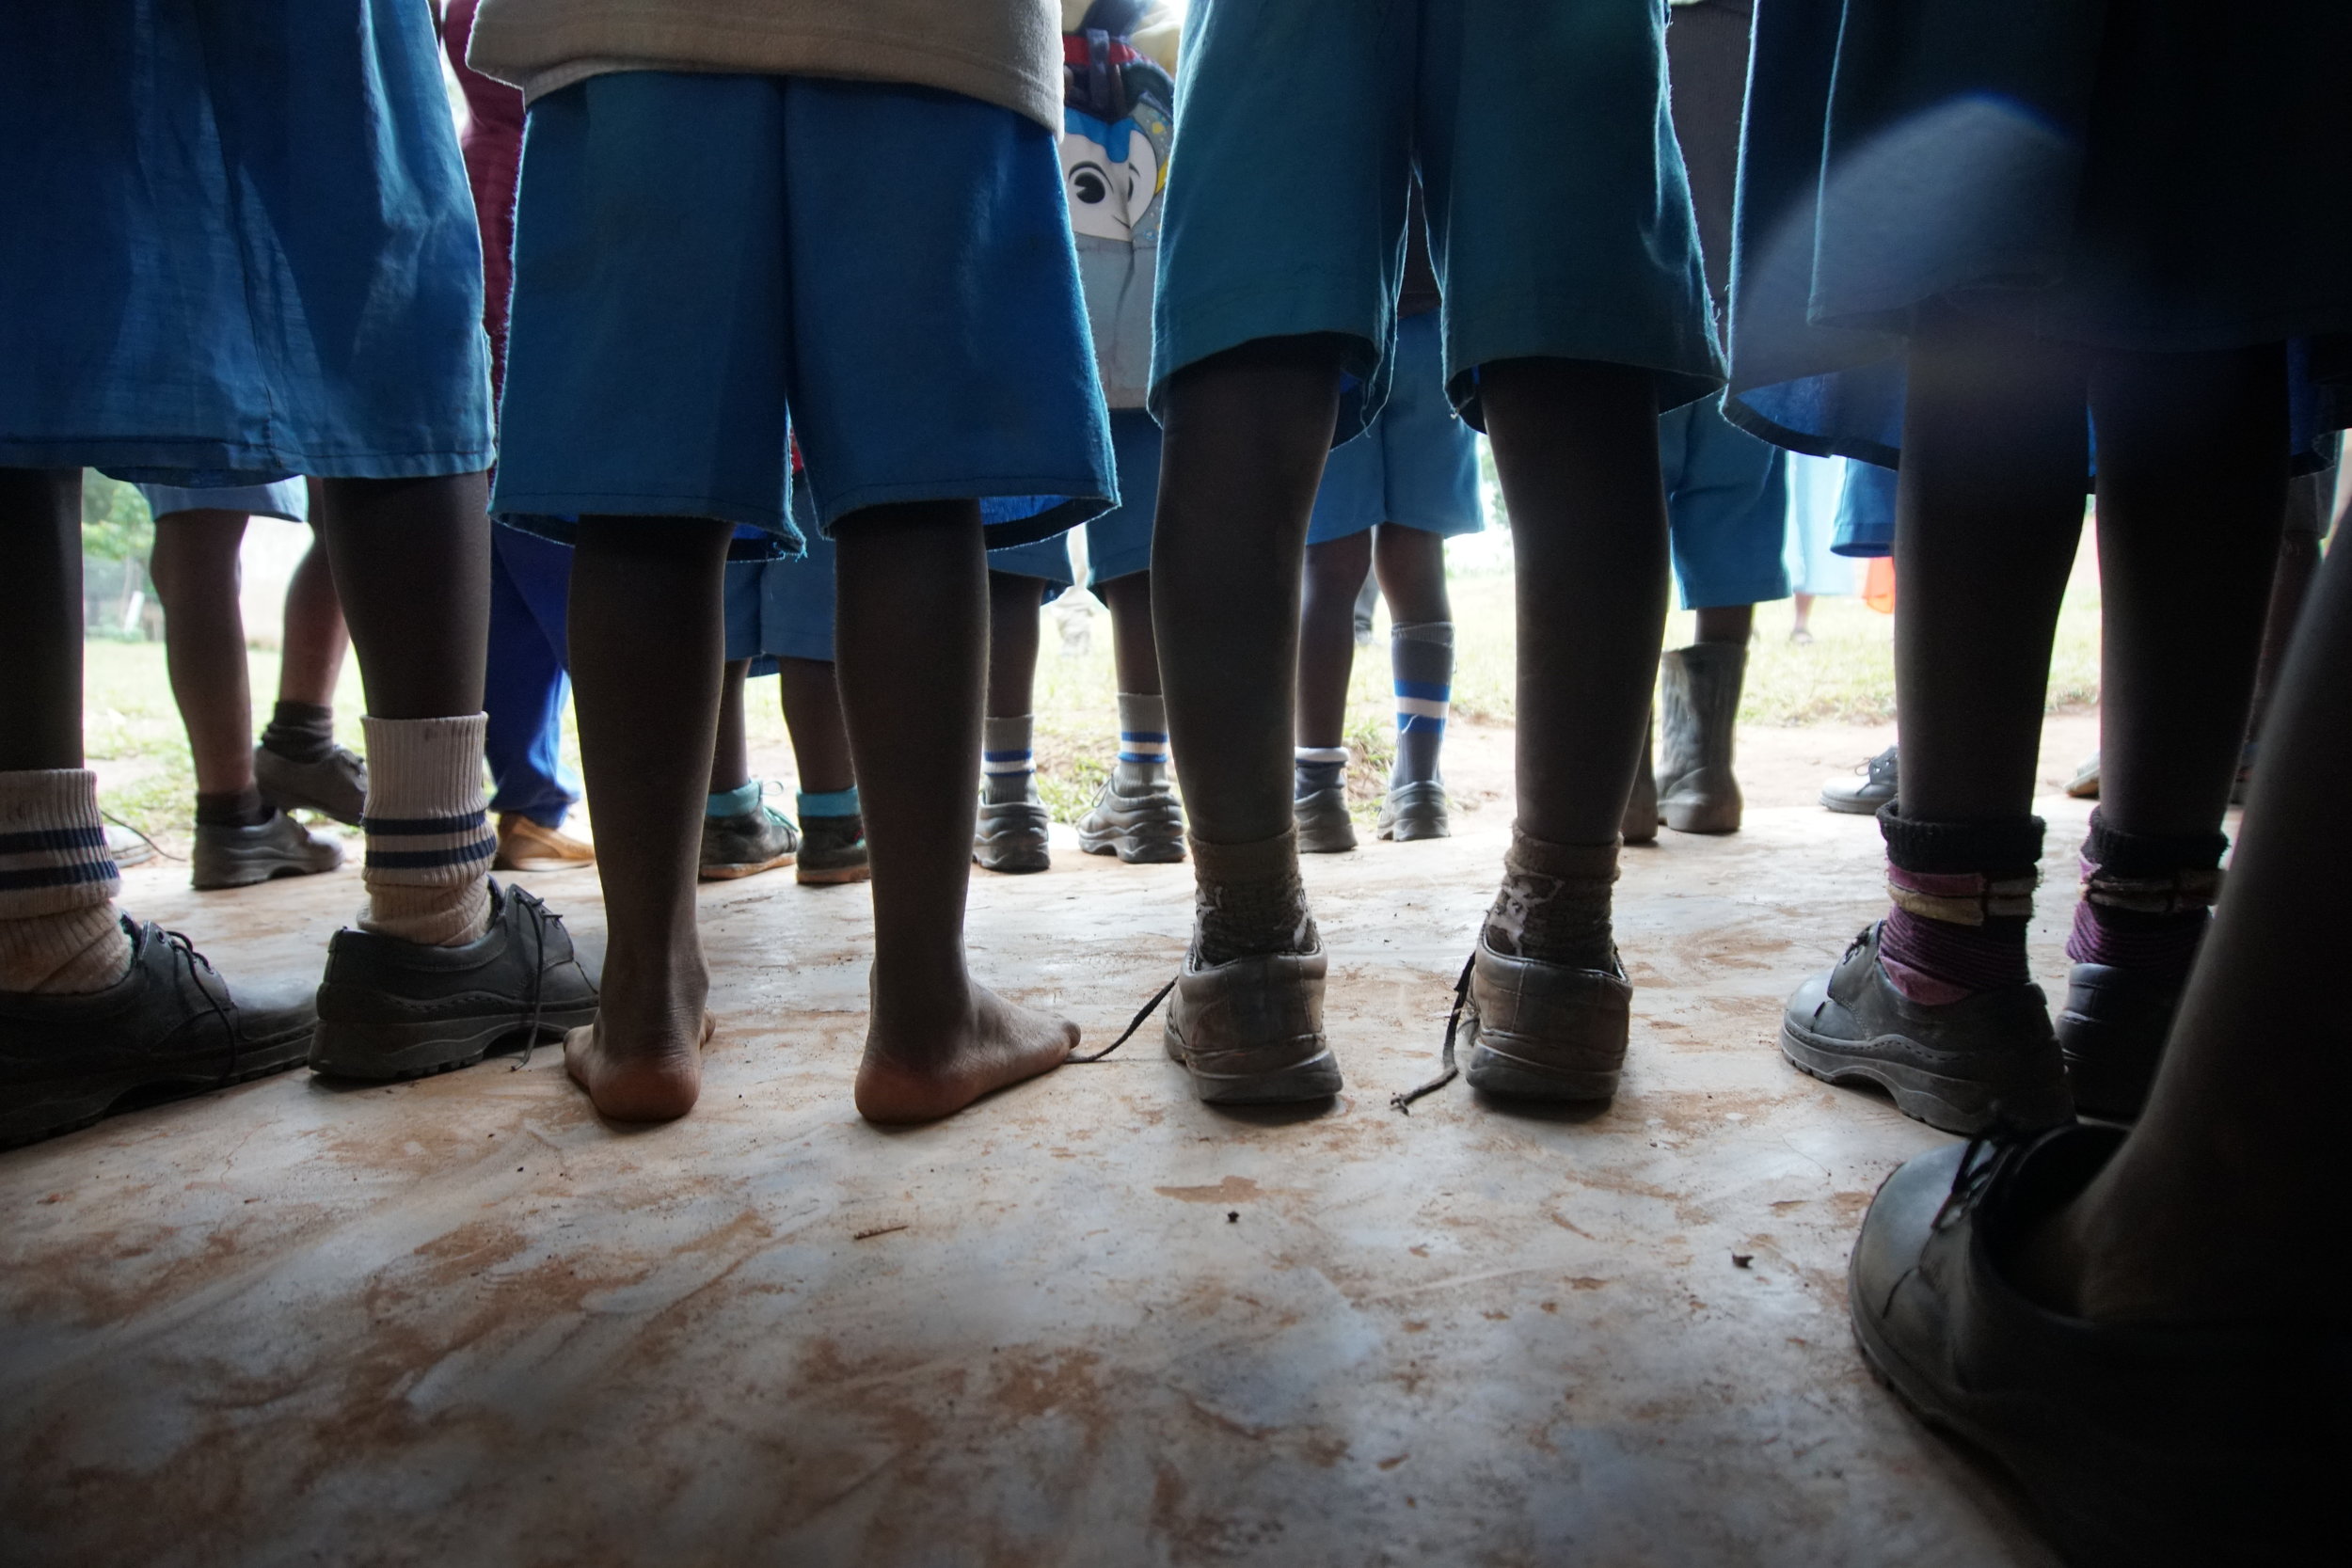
(1403, 1103)
(1135, 1023)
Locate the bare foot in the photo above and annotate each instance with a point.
(921, 1072)
(654, 1079)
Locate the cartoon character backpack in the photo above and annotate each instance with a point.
(1118, 119)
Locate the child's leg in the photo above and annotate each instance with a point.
(312, 658)
(1991, 504)
(731, 755)
(1336, 570)
(742, 834)
(1411, 565)
(1009, 833)
(810, 695)
(647, 654)
(1136, 817)
(913, 638)
(297, 762)
(2191, 498)
(1134, 652)
(1734, 624)
(195, 568)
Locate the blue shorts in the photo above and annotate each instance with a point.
(242, 246)
(1417, 466)
(289, 499)
(1118, 543)
(1866, 511)
(1726, 507)
(783, 609)
(1559, 219)
(706, 264)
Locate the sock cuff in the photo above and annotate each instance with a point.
(1961, 898)
(2123, 854)
(426, 822)
(1010, 734)
(1567, 862)
(289, 712)
(830, 802)
(1320, 754)
(738, 802)
(1269, 860)
(2006, 848)
(1438, 632)
(53, 844)
(1143, 710)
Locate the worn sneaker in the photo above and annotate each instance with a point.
(239, 857)
(759, 840)
(1416, 810)
(1323, 826)
(389, 1008)
(1873, 787)
(528, 846)
(1545, 1031)
(171, 1022)
(1141, 830)
(833, 850)
(335, 785)
(2084, 785)
(1250, 1032)
(1986, 1063)
(1011, 835)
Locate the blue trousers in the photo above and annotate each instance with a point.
(531, 592)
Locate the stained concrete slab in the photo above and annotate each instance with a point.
(1090, 1322)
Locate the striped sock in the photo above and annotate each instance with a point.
(58, 930)
(1318, 768)
(1006, 760)
(1142, 741)
(1421, 655)
(429, 838)
(1962, 896)
(2146, 900)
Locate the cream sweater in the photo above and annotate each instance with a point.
(1006, 52)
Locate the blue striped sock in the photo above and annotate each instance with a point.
(1142, 739)
(1006, 759)
(1421, 655)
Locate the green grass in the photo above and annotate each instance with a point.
(1846, 675)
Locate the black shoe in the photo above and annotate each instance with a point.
(172, 1022)
(833, 850)
(335, 782)
(758, 840)
(1983, 1063)
(1011, 835)
(389, 1008)
(2112, 1032)
(1144, 829)
(1324, 825)
(2134, 1445)
(230, 856)
(1876, 787)
(1418, 810)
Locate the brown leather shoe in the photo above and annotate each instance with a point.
(1250, 1032)
(528, 846)
(1546, 1031)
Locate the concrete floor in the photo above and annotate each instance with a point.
(1090, 1322)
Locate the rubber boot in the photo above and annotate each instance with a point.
(1696, 793)
(1641, 808)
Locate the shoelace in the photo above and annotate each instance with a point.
(184, 950)
(538, 970)
(1135, 1023)
(1403, 1103)
(160, 852)
(1968, 1182)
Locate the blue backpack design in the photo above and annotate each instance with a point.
(1118, 120)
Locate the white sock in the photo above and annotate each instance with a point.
(58, 930)
(1006, 763)
(429, 838)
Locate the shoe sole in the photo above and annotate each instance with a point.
(743, 868)
(1013, 862)
(390, 1053)
(1511, 1077)
(70, 1110)
(1315, 1078)
(540, 864)
(1967, 1106)
(832, 876)
(1850, 807)
(1131, 849)
(1708, 823)
(1413, 829)
(273, 874)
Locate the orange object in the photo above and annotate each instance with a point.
(1878, 586)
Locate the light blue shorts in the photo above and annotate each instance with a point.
(1417, 466)
(1118, 543)
(1726, 508)
(289, 499)
(704, 265)
(783, 609)
(240, 245)
(1559, 219)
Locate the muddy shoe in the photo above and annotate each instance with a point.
(1874, 785)
(833, 850)
(389, 1008)
(758, 840)
(1250, 1032)
(2112, 1032)
(1323, 826)
(1696, 790)
(1416, 810)
(1984, 1064)
(1545, 1031)
(1011, 835)
(239, 857)
(335, 785)
(1141, 830)
(172, 1022)
(2136, 1445)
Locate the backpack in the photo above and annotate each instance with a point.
(1118, 120)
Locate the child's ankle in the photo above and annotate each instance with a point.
(1962, 896)
(1249, 900)
(1142, 742)
(429, 837)
(1316, 768)
(1007, 764)
(1554, 904)
(2147, 900)
(58, 930)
